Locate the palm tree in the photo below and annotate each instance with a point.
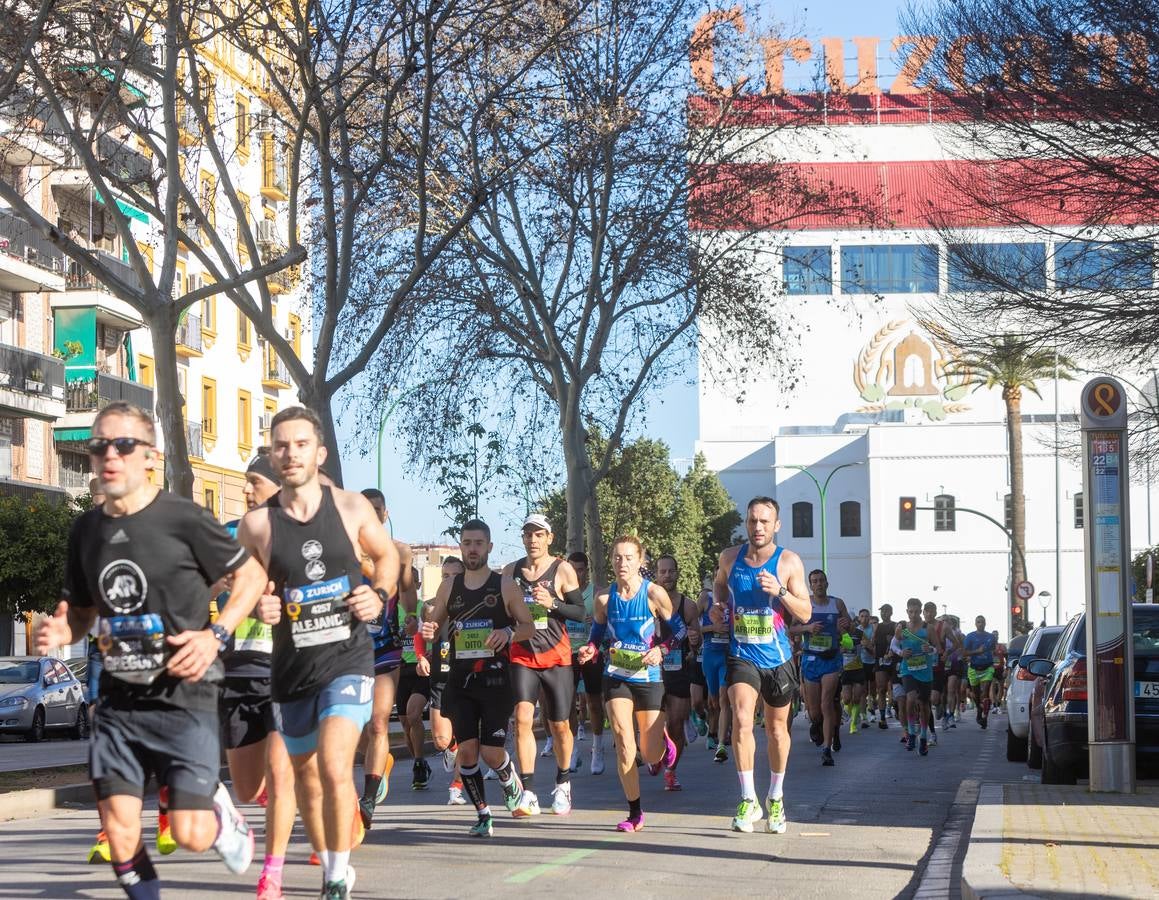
(1014, 364)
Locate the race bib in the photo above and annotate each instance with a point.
(538, 613)
(577, 632)
(253, 636)
(917, 663)
(851, 660)
(471, 639)
(753, 626)
(133, 647)
(626, 660)
(674, 661)
(819, 643)
(318, 613)
(719, 637)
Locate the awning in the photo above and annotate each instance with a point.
(127, 208)
(71, 435)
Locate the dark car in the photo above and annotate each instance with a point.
(1058, 706)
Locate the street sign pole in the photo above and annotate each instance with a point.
(1110, 663)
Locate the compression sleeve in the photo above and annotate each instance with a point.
(572, 607)
(599, 630)
(420, 643)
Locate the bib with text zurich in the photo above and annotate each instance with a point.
(318, 612)
(471, 639)
(626, 658)
(753, 625)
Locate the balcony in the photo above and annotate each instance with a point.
(280, 282)
(28, 261)
(85, 290)
(22, 140)
(189, 336)
(31, 384)
(193, 439)
(124, 163)
(277, 376)
(93, 393)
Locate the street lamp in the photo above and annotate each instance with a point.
(1044, 598)
(822, 490)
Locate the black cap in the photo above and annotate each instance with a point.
(261, 465)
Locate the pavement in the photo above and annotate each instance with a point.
(17, 756)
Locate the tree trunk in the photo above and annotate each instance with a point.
(162, 330)
(597, 551)
(314, 395)
(1013, 397)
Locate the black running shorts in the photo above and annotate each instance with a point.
(479, 705)
(677, 683)
(592, 673)
(410, 683)
(777, 687)
(553, 688)
(854, 676)
(247, 713)
(647, 696)
(912, 684)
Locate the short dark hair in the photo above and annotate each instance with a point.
(820, 572)
(675, 564)
(764, 501)
(373, 494)
(579, 557)
(860, 611)
(290, 413)
(454, 560)
(476, 525)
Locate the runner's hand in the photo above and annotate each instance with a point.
(844, 622)
(365, 603)
(423, 667)
(815, 628)
(694, 638)
(497, 639)
(586, 654)
(198, 651)
(769, 583)
(653, 657)
(429, 630)
(54, 631)
(716, 614)
(270, 606)
(541, 595)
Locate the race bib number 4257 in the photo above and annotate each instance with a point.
(318, 612)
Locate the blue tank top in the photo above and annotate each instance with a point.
(822, 644)
(920, 665)
(715, 643)
(759, 634)
(631, 629)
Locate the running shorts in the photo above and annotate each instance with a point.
(480, 706)
(591, 674)
(438, 687)
(387, 659)
(180, 747)
(410, 682)
(677, 683)
(957, 669)
(939, 679)
(777, 687)
(556, 684)
(713, 666)
(348, 696)
(645, 695)
(898, 691)
(696, 673)
(854, 676)
(980, 676)
(922, 688)
(247, 712)
(813, 668)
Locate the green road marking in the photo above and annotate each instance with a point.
(566, 860)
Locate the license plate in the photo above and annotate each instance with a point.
(1147, 688)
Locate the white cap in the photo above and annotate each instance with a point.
(539, 521)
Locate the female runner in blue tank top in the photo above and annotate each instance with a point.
(919, 657)
(626, 613)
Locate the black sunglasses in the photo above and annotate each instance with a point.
(125, 446)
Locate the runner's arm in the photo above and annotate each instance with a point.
(408, 589)
(796, 601)
(567, 584)
(517, 609)
(720, 593)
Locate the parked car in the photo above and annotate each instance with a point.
(38, 695)
(1038, 645)
(1058, 706)
(79, 666)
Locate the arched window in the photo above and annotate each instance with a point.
(802, 519)
(850, 518)
(944, 513)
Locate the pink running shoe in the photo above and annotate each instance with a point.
(632, 823)
(669, 759)
(670, 782)
(269, 888)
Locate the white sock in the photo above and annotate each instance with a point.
(339, 863)
(776, 785)
(748, 789)
(599, 739)
(324, 857)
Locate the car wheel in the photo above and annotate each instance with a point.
(1015, 748)
(80, 731)
(1053, 773)
(1033, 751)
(35, 734)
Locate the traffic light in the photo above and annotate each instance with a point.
(907, 514)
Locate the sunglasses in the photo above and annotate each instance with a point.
(125, 446)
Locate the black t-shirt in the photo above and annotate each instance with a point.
(883, 633)
(149, 574)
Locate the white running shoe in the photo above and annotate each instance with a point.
(490, 775)
(574, 765)
(449, 757)
(747, 812)
(528, 806)
(548, 748)
(690, 734)
(455, 796)
(561, 799)
(580, 734)
(235, 841)
(597, 760)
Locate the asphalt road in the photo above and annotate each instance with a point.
(17, 756)
(882, 823)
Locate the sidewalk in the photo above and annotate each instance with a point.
(1051, 841)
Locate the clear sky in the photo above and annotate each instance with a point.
(673, 413)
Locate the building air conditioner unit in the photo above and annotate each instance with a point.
(265, 421)
(267, 231)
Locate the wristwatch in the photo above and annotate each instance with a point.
(782, 592)
(222, 636)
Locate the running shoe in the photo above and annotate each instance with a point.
(366, 811)
(923, 747)
(689, 731)
(455, 795)
(701, 724)
(827, 757)
(933, 739)
(421, 776)
(512, 795)
(667, 760)
(548, 748)
(711, 743)
(670, 781)
(632, 823)
(490, 775)
(911, 741)
(836, 740)
(339, 890)
(165, 842)
(263, 799)
(235, 841)
(597, 760)
(485, 827)
(882, 724)
(747, 812)
(852, 727)
(561, 799)
(815, 733)
(314, 861)
(528, 806)
(580, 734)
(100, 852)
(450, 755)
(574, 766)
(985, 720)
(721, 754)
(777, 823)
(978, 714)
(269, 888)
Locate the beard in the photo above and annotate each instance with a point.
(475, 564)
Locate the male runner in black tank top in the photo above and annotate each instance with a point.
(486, 614)
(311, 539)
(676, 670)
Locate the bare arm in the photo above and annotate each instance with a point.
(67, 625)
(408, 590)
(517, 609)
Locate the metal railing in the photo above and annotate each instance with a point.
(80, 279)
(31, 373)
(276, 371)
(193, 439)
(189, 332)
(96, 392)
(19, 240)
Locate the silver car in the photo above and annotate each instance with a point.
(38, 695)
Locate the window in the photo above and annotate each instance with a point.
(888, 269)
(145, 370)
(992, 267)
(210, 496)
(243, 331)
(242, 124)
(802, 519)
(1079, 512)
(270, 409)
(243, 254)
(1008, 512)
(808, 270)
(208, 407)
(850, 518)
(245, 423)
(1102, 266)
(179, 280)
(944, 513)
(209, 314)
(296, 334)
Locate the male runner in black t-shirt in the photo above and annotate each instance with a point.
(886, 663)
(145, 562)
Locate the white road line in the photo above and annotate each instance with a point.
(936, 879)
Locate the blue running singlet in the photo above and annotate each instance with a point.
(631, 628)
(759, 634)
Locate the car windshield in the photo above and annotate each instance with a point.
(1146, 631)
(1046, 642)
(18, 672)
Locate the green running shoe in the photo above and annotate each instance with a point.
(512, 795)
(483, 828)
(777, 823)
(747, 812)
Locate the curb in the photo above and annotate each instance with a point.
(982, 877)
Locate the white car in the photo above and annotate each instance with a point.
(1038, 645)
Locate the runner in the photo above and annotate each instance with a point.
(439, 665)
(627, 614)
(414, 692)
(676, 671)
(541, 667)
(955, 672)
(764, 585)
(312, 538)
(938, 689)
(998, 683)
(485, 614)
(821, 664)
(978, 647)
(857, 662)
(591, 676)
(886, 671)
(918, 657)
(145, 562)
(714, 653)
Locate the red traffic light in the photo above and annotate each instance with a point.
(1017, 610)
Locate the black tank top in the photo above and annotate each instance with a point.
(679, 657)
(549, 645)
(314, 568)
(472, 614)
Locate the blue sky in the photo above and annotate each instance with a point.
(672, 413)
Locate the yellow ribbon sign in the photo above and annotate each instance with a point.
(1104, 399)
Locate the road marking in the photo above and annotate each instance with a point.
(936, 879)
(814, 834)
(567, 859)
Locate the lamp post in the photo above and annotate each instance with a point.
(823, 491)
(1044, 598)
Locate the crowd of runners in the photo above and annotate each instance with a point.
(289, 637)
